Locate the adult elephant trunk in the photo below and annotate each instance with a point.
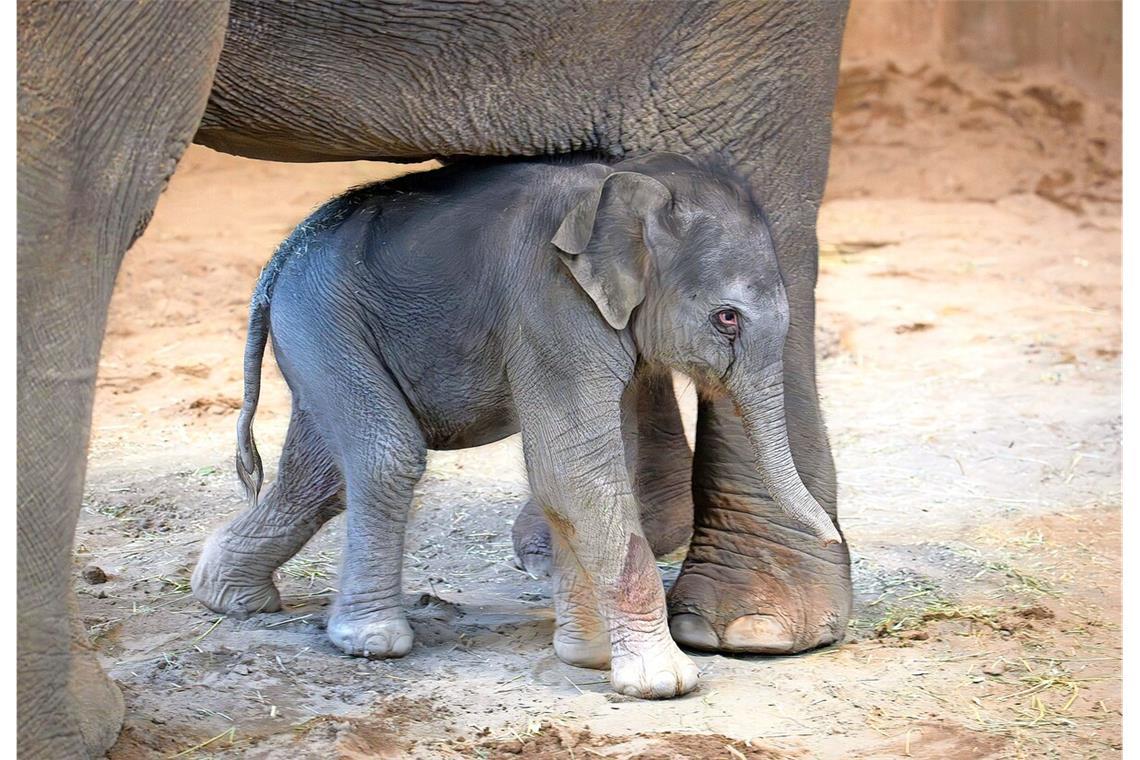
(759, 396)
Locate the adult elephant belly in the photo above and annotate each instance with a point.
(314, 81)
(753, 80)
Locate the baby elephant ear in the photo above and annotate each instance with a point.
(604, 240)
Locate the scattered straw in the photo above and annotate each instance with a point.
(290, 620)
(208, 631)
(230, 732)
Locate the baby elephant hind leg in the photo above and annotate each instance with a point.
(234, 575)
(383, 455)
(534, 545)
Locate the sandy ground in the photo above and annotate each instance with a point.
(970, 375)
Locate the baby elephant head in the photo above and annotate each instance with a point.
(681, 255)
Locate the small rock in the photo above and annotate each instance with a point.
(918, 635)
(913, 327)
(193, 370)
(1036, 612)
(994, 668)
(157, 720)
(513, 747)
(242, 670)
(568, 739)
(94, 574)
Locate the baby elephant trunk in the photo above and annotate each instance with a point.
(761, 404)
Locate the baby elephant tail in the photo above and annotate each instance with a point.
(248, 460)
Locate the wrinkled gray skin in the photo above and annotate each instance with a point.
(451, 309)
(308, 82)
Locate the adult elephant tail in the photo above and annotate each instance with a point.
(248, 460)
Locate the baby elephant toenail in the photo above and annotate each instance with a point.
(664, 684)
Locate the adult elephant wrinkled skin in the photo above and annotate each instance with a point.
(111, 92)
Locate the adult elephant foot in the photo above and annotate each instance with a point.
(97, 703)
(782, 597)
(753, 580)
(377, 636)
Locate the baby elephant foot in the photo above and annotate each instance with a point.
(663, 673)
(537, 563)
(228, 585)
(531, 537)
(375, 637)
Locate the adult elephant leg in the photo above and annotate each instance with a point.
(664, 465)
(753, 582)
(663, 481)
(102, 701)
(109, 96)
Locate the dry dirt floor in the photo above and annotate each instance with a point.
(970, 373)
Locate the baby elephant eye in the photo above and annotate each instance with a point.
(727, 321)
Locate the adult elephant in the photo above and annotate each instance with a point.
(111, 92)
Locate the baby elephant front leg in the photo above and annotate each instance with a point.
(610, 609)
(581, 635)
(572, 407)
(646, 662)
(609, 601)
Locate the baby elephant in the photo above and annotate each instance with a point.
(451, 309)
